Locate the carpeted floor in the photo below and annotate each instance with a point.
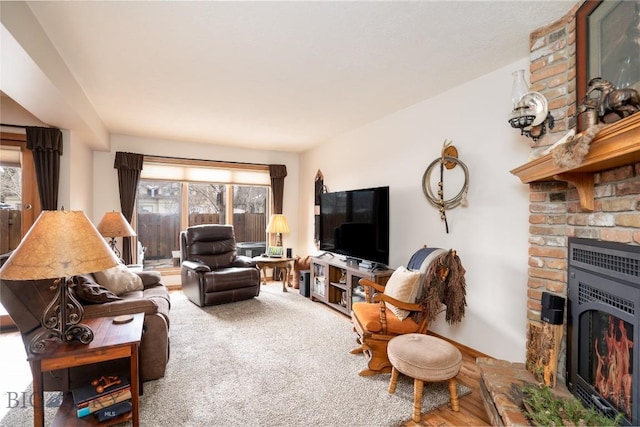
(275, 360)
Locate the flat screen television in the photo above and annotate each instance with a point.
(355, 224)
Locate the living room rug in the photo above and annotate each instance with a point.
(275, 360)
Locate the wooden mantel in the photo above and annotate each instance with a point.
(616, 145)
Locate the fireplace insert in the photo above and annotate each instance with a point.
(604, 327)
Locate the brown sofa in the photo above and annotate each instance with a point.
(26, 300)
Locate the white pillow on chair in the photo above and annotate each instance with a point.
(403, 285)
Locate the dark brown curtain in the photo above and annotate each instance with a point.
(277, 173)
(129, 166)
(46, 144)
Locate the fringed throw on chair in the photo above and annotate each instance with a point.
(442, 283)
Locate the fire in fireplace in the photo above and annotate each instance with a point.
(603, 325)
(612, 376)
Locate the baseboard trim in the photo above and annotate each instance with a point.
(468, 350)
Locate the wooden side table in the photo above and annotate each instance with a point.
(266, 262)
(110, 341)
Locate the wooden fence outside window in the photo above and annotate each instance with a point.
(160, 233)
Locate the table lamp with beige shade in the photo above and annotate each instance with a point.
(59, 245)
(277, 225)
(112, 225)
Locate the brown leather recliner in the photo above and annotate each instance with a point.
(212, 272)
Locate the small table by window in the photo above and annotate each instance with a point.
(110, 341)
(266, 262)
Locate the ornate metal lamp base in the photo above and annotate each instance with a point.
(114, 247)
(61, 320)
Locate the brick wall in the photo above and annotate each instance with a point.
(553, 70)
(555, 212)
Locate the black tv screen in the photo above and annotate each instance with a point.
(355, 224)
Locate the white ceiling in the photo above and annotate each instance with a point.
(278, 75)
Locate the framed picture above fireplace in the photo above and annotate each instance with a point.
(608, 44)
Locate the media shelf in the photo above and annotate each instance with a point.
(335, 282)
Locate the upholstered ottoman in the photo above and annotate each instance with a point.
(424, 358)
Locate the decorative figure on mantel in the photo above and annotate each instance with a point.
(610, 106)
(613, 104)
(587, 113)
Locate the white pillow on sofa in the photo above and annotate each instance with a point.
(119, 280)
(403, 286)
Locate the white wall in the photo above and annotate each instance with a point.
(64, 189)
(80, 175)
(490, 235)
(36, 77)
(106, 177)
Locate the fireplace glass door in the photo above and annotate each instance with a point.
(607, 365)
(604, 327)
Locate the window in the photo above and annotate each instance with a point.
(207, 203)
(175, 193)
(250, 218)
(159, 222)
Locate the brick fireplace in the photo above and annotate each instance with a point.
(556, 212)
(600, 201)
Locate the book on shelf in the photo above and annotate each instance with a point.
(100, 393)
(114, 411)
(100, 387)
(104, 402)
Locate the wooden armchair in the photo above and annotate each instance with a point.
(376, 324)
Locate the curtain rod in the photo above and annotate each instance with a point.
(170, 159)
(9, 125)
(13, 126)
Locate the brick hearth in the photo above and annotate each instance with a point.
(500, 386)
